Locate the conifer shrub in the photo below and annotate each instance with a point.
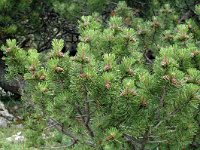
(15, 15)
(133, 84)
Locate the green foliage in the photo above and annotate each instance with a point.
(16, 58)
(14, 15)
(19, 18)
(73, 10)
(112, 95)
(23, 17)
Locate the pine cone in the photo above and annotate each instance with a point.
(8, 50)
(108, 85)
(60, 54)
(106, 68)
(42, 77)
(59, 69)
(83, 75)
(31, 68)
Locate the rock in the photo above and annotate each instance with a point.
(17, 138)
(14, 86)
(19, 126)
(3, 122)
(5, 116)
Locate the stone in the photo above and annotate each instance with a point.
(5, 116)
(17, 138)
(3, 122)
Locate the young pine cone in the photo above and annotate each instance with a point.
(164, 62)
(60, 54)
(42, 77)
(31, 68)
(107, 85)
(8, 50)
(106, 68)
(59, 69)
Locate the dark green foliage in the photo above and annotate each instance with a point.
(14, 16)
(73, 10)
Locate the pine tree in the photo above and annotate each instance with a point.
(133, 84)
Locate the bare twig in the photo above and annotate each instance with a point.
(185, 16)
(59, 127)
(132, 141)
(161, 101)
(59, 147)
(86, 117)
(162, 141)
(145, 139)
(53, 125)
(86, 109)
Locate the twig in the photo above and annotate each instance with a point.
(158, 124)
(145, 137)
(162, 100)
(86, 110)
(59, 147)
(162, 141)
(185, 16)
(59, 127)
(50, 126)
(132, 141)
(86, 118)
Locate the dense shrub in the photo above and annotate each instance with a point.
(133, 84)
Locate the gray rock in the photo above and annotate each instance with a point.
(14, 86)
(3, 122)
(17, 138)
(5, 116)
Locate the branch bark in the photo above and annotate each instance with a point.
(59, 127)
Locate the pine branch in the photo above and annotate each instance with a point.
(60, 128)
(132, 141)
(59, 147)
(161, 101)
(177, 110)
(85, 119)
(145, 139)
